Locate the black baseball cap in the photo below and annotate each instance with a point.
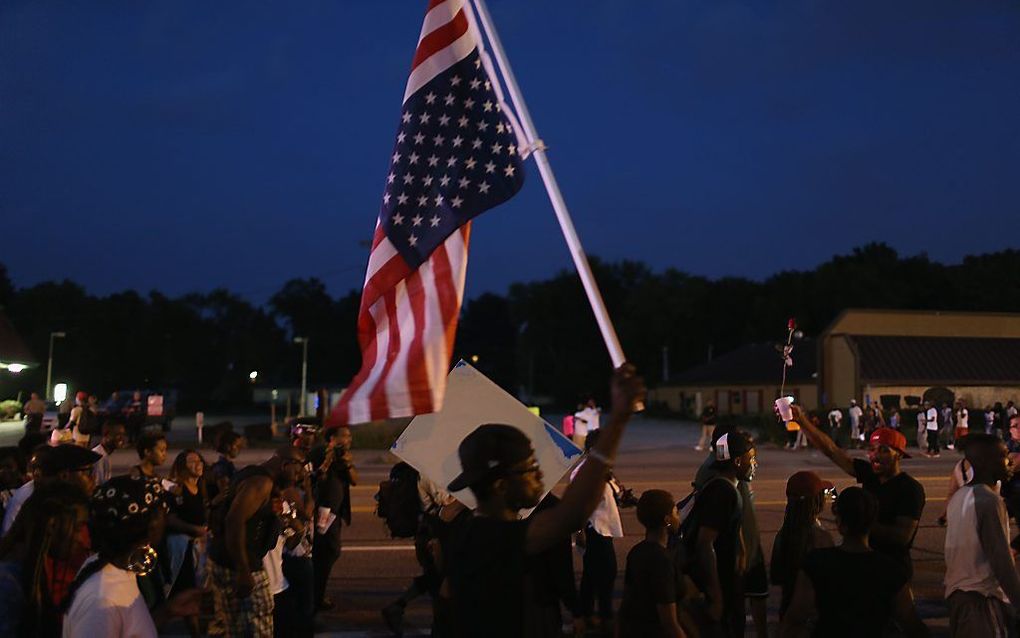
(65, 457)
(487, 452)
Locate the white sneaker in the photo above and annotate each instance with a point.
(698, 448)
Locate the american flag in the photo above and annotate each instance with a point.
(457, 155)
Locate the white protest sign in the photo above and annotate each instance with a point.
(430, 441)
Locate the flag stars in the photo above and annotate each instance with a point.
(456, 202)
(455, 80)
(463, 182)
(418, 138)
(416, 220)
(424, 118)
(386, 198)
(428, 181)
(487, 106)
(413, 158)
(483, 188)
(434, 221)
(476, 144)
(501, 128)
(396, 157)
(488, 85)
(398, 219)
(451, 162)
(401, 137)
(509, 170)
(512, 149)
(470, 163)
(433, 160)
(422, 201)
(390, 178)
(438, 140)
(490, 167)
(462, 121)
(449, 99)
(439, 200)
(483, 125)
(412, 240)
(401, 198)
(497, 148)
(406, 117)
(478, 62)
(408, 179)
(444, 180)
(430, 98)
(457, 141)
(469, 103)
(475, 83)
(444, 120)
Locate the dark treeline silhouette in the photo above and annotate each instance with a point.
(540, 339)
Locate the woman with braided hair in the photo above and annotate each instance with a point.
(127, 515)
(50, 530)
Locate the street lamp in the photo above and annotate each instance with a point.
(49, 364)
(304, 372)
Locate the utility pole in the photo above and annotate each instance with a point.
(49, 365)
(304, 373)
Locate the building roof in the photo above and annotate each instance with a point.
(938, 360)
(12, 348)
(753, 364)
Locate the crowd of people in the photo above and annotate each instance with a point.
(249, 551)
(232, 551)
(939, 427)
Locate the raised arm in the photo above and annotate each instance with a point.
(822, 441)
(583, 494)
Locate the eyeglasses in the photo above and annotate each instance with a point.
(534, 467)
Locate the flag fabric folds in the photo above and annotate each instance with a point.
(457, 154)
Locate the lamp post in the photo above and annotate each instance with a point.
(304, 373)
(49, 364)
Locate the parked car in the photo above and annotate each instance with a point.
(141, 408)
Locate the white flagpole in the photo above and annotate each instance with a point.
(552, 188)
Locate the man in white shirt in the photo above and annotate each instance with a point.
(962, 420)
(114, 438)
(931, 424)
(599, 566)
(835, 419)
(855, 413)
(982, 585)
(586, 420)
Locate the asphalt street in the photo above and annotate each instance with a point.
(374, 569)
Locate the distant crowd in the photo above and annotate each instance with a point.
(249, 551)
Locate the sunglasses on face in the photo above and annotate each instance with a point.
(534, 467)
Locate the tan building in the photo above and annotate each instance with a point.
(898, 357)
(901, 357)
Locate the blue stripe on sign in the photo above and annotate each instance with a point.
(566, 445)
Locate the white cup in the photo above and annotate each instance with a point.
(783, 407)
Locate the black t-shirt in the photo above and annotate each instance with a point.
(652, 578)
(718, 506)
(488, 574)
(708, 415)
(189, 507)
(854, 592)
(901, 495)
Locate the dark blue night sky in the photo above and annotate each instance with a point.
(190, 145)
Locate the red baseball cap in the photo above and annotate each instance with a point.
(805, 484)
(892, 439)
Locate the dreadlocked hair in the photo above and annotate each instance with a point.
(46, 522)
(110, 538)
(794, 537)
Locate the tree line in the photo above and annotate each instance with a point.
(539, 340)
